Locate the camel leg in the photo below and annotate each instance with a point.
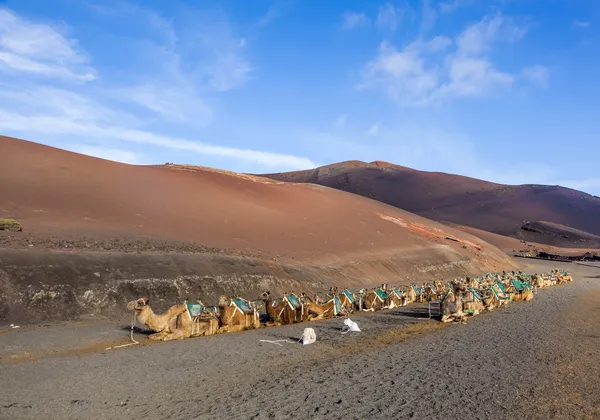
(157, 336)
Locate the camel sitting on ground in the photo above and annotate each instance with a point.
(319, 311)
(278, 312)
(348, 300)
(396, 298)
(176, 323)
(452, 307)
(472, 303)
(236, 315)
(376, 300)
(537, 281)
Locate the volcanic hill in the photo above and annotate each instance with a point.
(97, 233)
(502, 209)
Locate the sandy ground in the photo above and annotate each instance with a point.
(529, 360)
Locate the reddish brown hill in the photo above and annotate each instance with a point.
(497, 208)
(51, 191)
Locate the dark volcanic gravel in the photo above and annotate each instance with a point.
(537, 359)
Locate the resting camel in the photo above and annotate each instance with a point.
(319, 311)
(452, 307)
(473, 303)
(277, 312)
(176, 323)
(373, 302)
(233, 318)
(348, 300)
(396, 298)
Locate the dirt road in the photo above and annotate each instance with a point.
(535, 359)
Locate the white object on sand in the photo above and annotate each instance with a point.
(14, 326)
(308, 336)
(350, 326)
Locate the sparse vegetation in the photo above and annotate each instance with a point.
(11, 225)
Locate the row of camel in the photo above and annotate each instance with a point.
(457, 299)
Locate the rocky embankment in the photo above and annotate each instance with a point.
(57, 279)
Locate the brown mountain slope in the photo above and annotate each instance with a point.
(265, 234)
(497, 208)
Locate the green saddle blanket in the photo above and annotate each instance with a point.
(382, 295)
(294, 301)
(243, 306)
(195, 309)
(199, 310)
(476, 295)
(350, 296)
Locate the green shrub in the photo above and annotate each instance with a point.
(10, 225)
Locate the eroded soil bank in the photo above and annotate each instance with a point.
(535, 359)
(64, 280)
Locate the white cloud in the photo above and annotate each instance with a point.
(210, 55)
(108, 153)
(537, 74)
(173, 102)
(389, 17)
(373, 130)
(427, 72)
(51, 125)
(429, 16)
(351, 20)
(451, 6)
(581, 24)
(40, 49)
(480, 37)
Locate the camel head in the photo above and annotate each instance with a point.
(138, 305)
(224, 301)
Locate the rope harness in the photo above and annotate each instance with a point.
(130, 335)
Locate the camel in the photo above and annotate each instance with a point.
(537, 280)
(176, 323)
(452, 307)
(473, 303)
(320, 311)
(397, 298)
(236, 315)
(348, 300)
(280, 312)
(376, 300)
(298, 312)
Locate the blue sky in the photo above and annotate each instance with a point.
(503, 90)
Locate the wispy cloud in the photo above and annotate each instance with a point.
(172, 72)
(429, 16)
(427, 72)
(581, 24)
(40, 49)
(108, 153)
(44, 124)
(538, 75)
(373, 130)
(389, 17)
(353, 20)
(452, 5)
(274, 11)
(173, 102)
